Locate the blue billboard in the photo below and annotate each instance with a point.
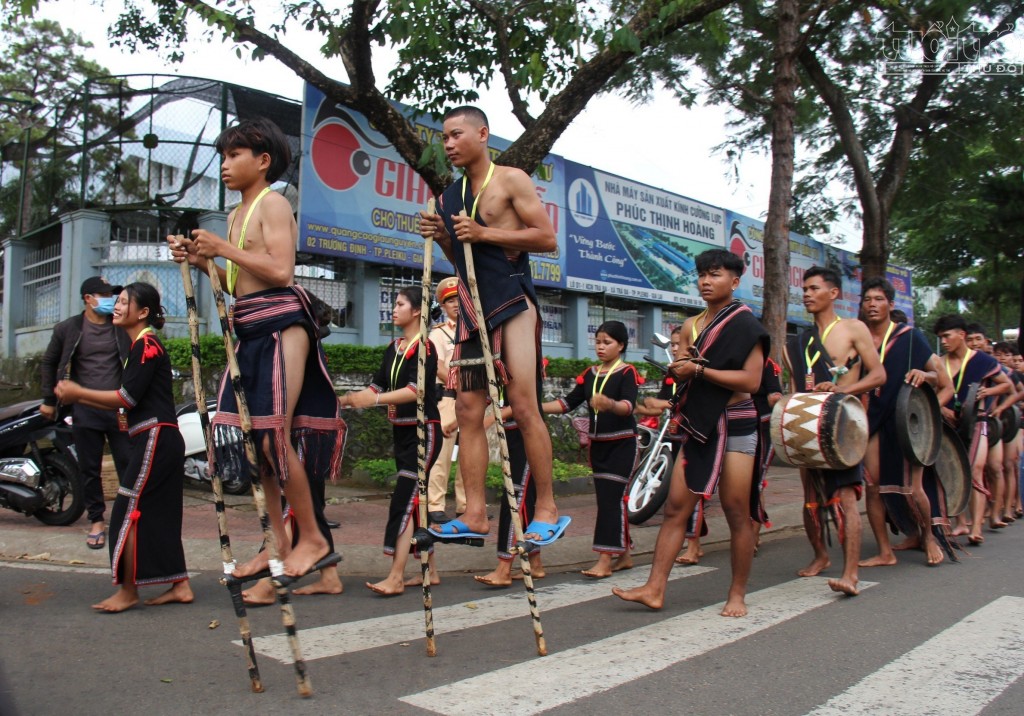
(359, 199)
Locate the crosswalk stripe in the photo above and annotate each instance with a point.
(602, 665)
(338, 639)
(956, 672)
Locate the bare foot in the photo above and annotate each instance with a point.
(878, 561)
(305, 555)
(846, 586)
(329, 583)
(996, 524)
(121, 600)
(535, 572)
(735, 607)
(1009, 518)
(692, 554)
(623, 563)
(935, 555)
(909, 543)
(179, 593)
(817, 565)
(497, 578)
(417, 580)
(596, 574)
(388, 587)
(260, 594)
(975, 539)
(960, 531)
(643, 595)
(254, 566)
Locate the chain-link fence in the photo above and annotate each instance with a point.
(136, 142)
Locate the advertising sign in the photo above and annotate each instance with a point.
(360, 199)
(746, 239)
(629, 239)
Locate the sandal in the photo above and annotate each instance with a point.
(96, 540)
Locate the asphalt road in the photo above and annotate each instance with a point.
(919, 640)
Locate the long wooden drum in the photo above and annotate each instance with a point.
(828, 431)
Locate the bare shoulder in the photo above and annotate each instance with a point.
(855, 327)
(514, 180)
(274, 204)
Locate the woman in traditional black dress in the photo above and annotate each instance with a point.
(146, 519)
(394, 386)
(610, 391)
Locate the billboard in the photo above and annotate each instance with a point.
(359, 199)
(629, 239)
(746, 239)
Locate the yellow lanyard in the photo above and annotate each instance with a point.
(396, 364)
(597, 375)
(807, 356)
(693, 326)
(144, 331)
(885, 341)
(232, 267)
(487, 180)
(963, 366)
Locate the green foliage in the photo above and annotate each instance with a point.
(42, 71)
(381, 470)
(567, 367)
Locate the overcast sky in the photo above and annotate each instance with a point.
(659, 143)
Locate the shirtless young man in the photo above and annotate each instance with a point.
(496, 210)
(735, 346)
(907, 358)
(260, 251)
(836, 356)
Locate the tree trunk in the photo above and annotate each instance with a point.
(874, 251)
(776, 230)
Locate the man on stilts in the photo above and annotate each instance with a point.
(497, 211)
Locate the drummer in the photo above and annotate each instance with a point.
(838, 356)
(966, 367)
(1004, 353)
(907, 358)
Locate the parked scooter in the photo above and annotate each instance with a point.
(648, 487)
(197, 467)
(42, 481)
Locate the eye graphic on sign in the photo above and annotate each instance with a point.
(339, 158)
(738, 243)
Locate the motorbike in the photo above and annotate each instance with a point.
(196, 466)
(39, 474)
(649, 485)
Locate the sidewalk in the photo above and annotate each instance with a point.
(362, 512)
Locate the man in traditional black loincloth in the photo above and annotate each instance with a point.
(967, 367)
(496, 210)
(837, 356)
(719, 423)
(907, 358)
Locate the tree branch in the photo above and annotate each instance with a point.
(531, 147)
(520, 108)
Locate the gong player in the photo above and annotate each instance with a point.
(907, 358)
(837, 356)
(966, 367)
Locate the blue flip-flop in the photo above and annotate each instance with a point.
(455, 529)
(547, 532)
